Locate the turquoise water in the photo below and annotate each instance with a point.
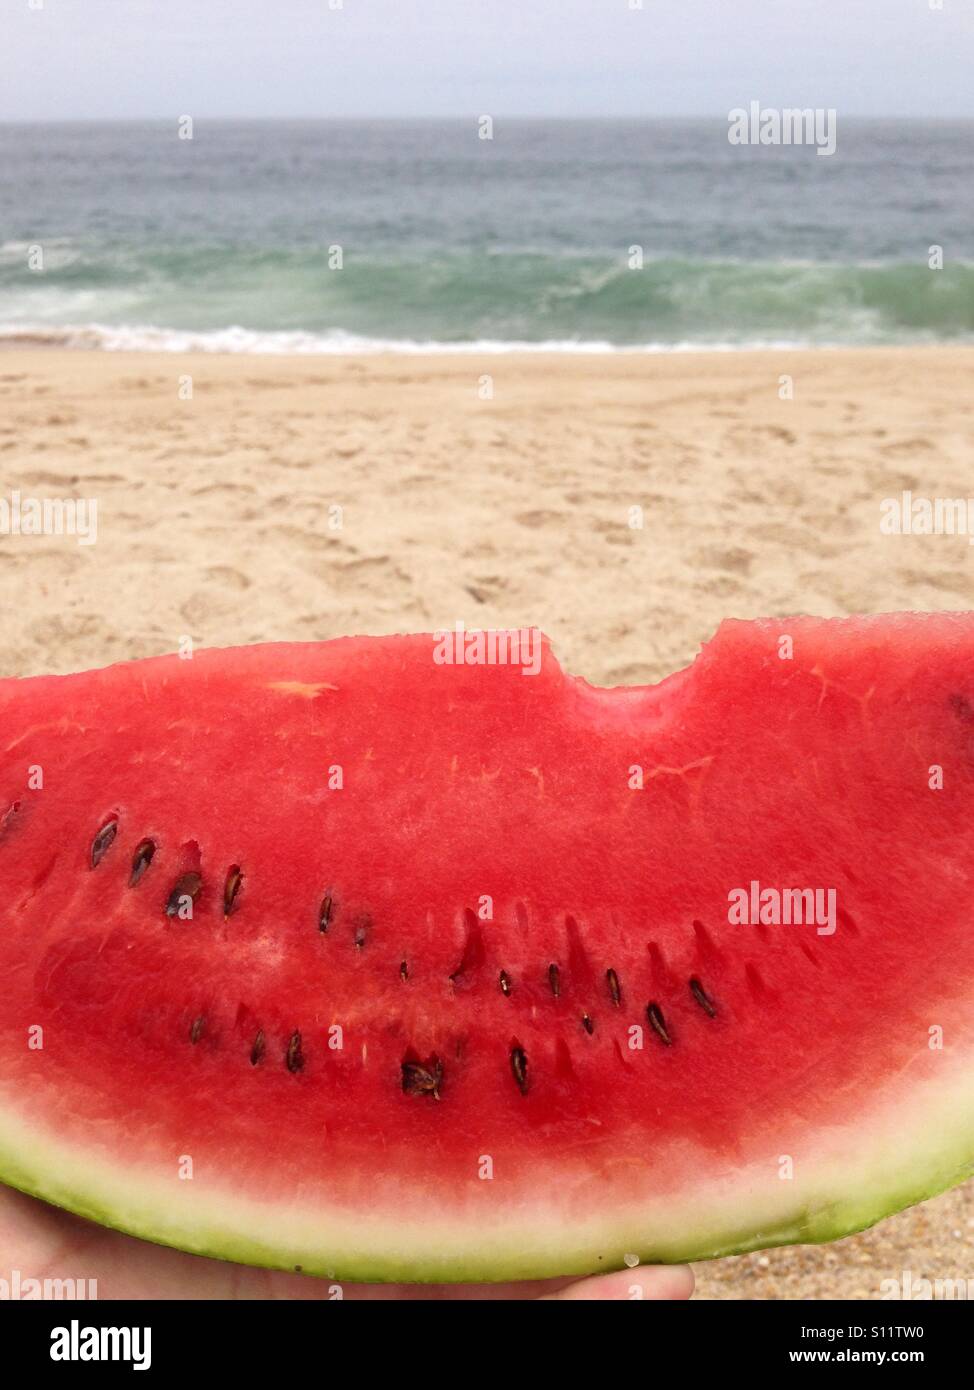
(449, 241)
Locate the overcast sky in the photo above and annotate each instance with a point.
(138, 58)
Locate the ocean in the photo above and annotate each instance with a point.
(232, 240)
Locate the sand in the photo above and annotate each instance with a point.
(217, 521)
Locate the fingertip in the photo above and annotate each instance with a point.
(654, 1283)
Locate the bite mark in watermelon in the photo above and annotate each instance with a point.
(431, 972)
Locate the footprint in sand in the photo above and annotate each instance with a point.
(225, 574)
(44, 478)
(535, 520)
(231, 488)
(907, 446)
(761, 434)
(636, 673)
(734, 560)
(486, 588)
(946, 581)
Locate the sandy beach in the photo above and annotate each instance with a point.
(214, 513)
(246, 499)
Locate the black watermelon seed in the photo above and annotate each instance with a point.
(295, 1057)
(258, 1049)
(702, 998)
(519, 1068)
(186, 886)
(554, 980)
(324, 914)
(655, 1015)
(231, 888)
(196, 1032)
(141, 860)
(615, 993)
(102, 842)
(587, 1024)
(505, 982)
(423, 1078)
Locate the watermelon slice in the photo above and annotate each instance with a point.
(396, 959)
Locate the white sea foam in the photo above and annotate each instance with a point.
(148, 338)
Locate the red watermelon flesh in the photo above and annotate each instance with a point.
(344, 957)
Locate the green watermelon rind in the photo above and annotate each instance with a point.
(825, 1222)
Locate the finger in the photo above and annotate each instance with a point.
(655, 1282)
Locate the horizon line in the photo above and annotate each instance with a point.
(453, 116)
